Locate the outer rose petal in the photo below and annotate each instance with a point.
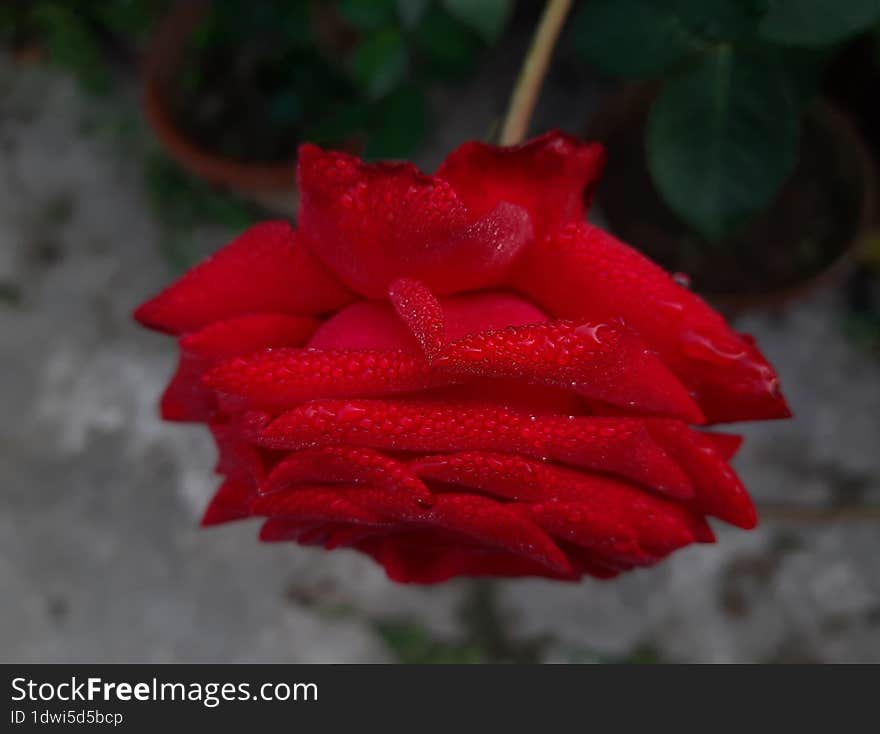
(330, 534)
(613, 517)
(583, 272)
(186, 398)
(371, 224)
(616, 445)
(431, 556)
(239, 458)
(347, 464)
(601, 361)
(726, 444)
(314, 505)
(493, 524)
(718, 490)
(481, 520)
(265, 269)
(276, 379)
(232, 501)
(552, 177)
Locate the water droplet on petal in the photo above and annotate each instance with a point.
(591, 331)
(704, 348)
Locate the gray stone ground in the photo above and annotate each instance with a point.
(100, 556)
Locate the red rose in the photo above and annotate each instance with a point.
(456, 374)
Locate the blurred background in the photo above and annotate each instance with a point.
(137, 136)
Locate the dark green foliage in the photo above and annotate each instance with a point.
(257, 78)
(486, 18)
(350, 73)
(722, 137)
(737, 76)
(80, 36)
(633, 38)
(484, 638)
(447, 48)
(380, 62)
(817, 22)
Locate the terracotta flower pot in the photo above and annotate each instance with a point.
(846, 197)
(272, 184)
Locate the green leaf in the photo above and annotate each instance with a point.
(447, 47)
(412, 643)
(817, 22)
(380, 62)
(368, 15)
(486, 18)
(400, 124)
(632, 38)
(721, 20)
(803, 67)
(73, 45)
(721, 140)
(411, 11)
(344, 124)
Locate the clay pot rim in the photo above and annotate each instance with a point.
(619, 105)
(163, 56)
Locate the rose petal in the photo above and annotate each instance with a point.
(583, 272)
(615, 445)
(473, 312)
(421, 312)
(609, 509)
(480, 519)
(230, 502)
(186, 398)
(265, 269)
(431, 556)
(718, 491)
(306, 532)
(493, 524)
(365, 325)
(238, 457)
(509, 394)
(551, 177)
(347, 464)
(313, 505)
(726, 444)
(591, 563)
(371, 224)
(277, 379)
(598, 360)
(372, 325)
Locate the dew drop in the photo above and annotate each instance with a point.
(682, 279)
(703, 348)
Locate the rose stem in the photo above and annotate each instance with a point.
(534, 69)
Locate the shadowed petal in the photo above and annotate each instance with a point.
(583, 272)
(265, 269)
(552, 177)
(373, 223)
(348, 465)
(602, 361)
(276, 379)
(186, 398)
(616, 445)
